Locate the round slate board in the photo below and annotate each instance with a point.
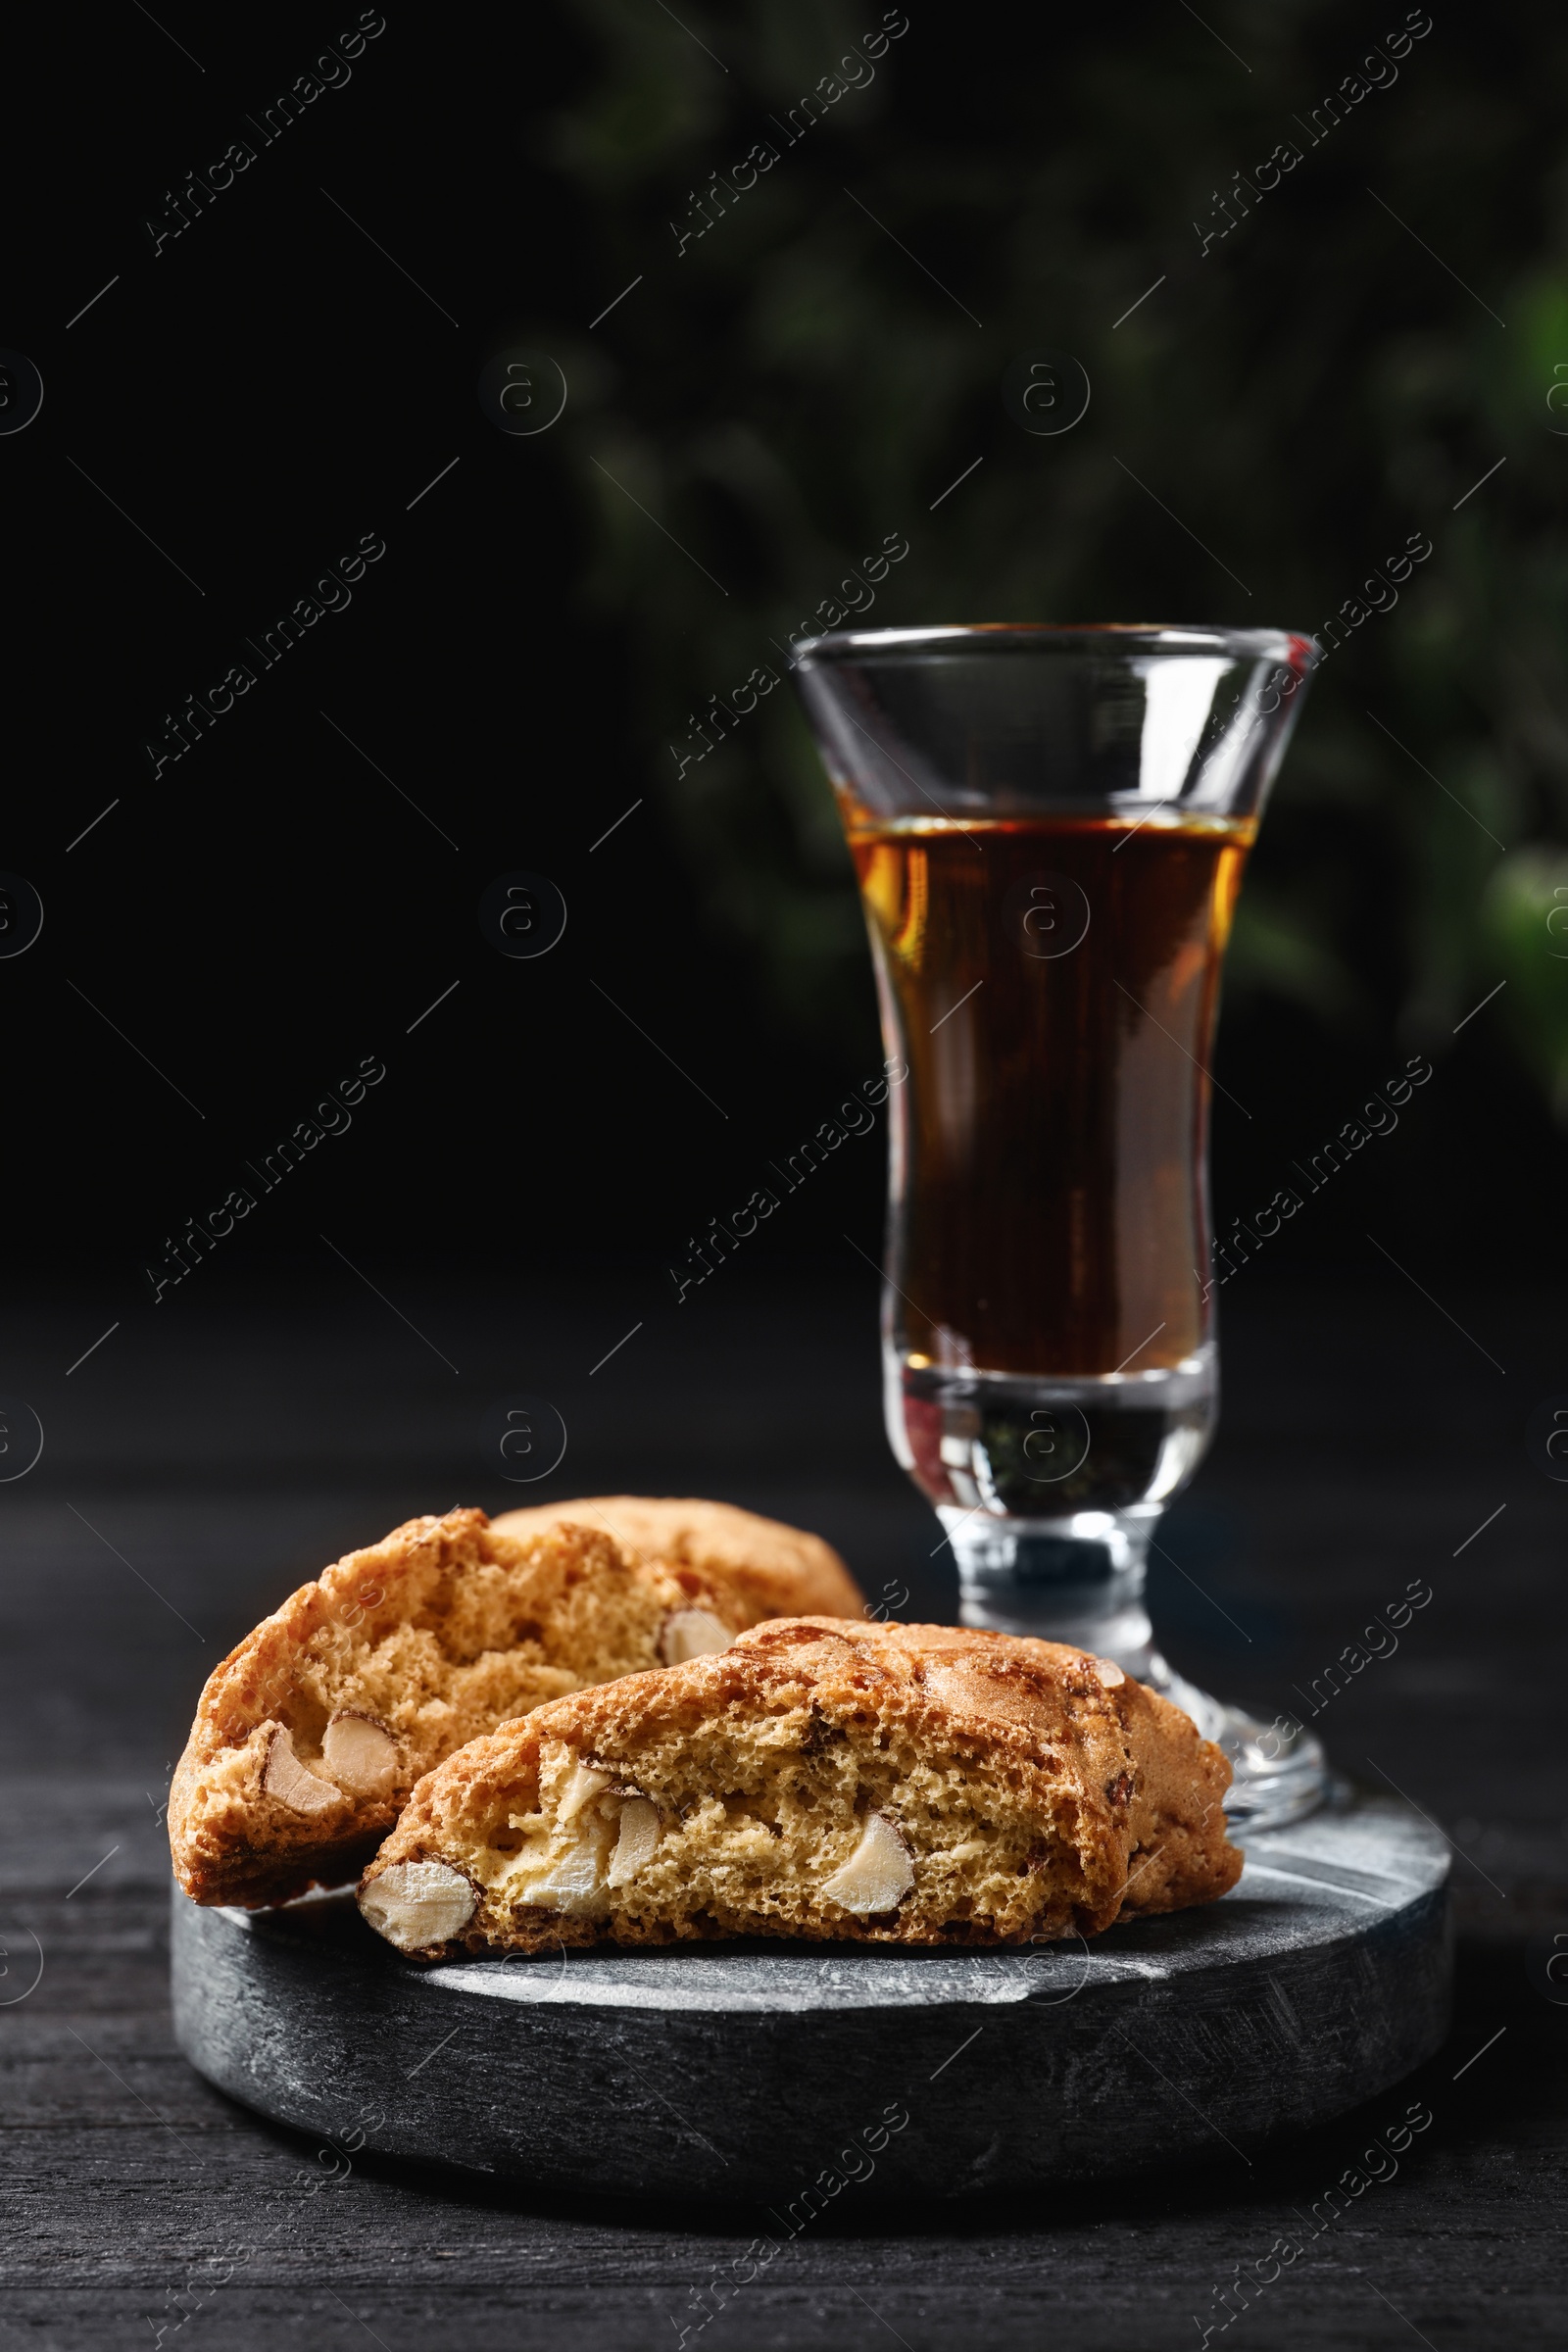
(752, 2072)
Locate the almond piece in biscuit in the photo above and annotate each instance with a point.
(781, 1571)
(877, 1876)
(310, 1735)
(639, 1832)
(821, 1777)
(286, 1779)
(420, 1901)
(360, 1753)
(692, 1634)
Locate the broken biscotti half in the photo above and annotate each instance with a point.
(310, 1735)
(782, 1571)
(819, 1777)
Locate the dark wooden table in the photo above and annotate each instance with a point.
(203, 1463)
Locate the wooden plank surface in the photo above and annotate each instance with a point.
(190, 1487)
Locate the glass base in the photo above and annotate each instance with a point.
(1279, 1772)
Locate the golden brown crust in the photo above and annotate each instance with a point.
(782, 1571)
(1038, 1791)
(441, 1631)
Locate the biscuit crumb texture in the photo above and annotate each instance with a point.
(921, 1784)
(310, 1735)
(782, 1571)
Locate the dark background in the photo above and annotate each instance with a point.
(270, 386)
(239, 930)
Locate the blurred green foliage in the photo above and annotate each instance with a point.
(1338, 372)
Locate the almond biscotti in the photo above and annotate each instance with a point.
(782, 1571)
(819, 1777)
(310, 1735)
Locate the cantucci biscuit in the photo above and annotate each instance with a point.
(310, 1735)
(782, 1571)
(819, 1777)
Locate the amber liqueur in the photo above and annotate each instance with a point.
(1054, 983)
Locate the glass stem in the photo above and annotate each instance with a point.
(1077, 1580)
